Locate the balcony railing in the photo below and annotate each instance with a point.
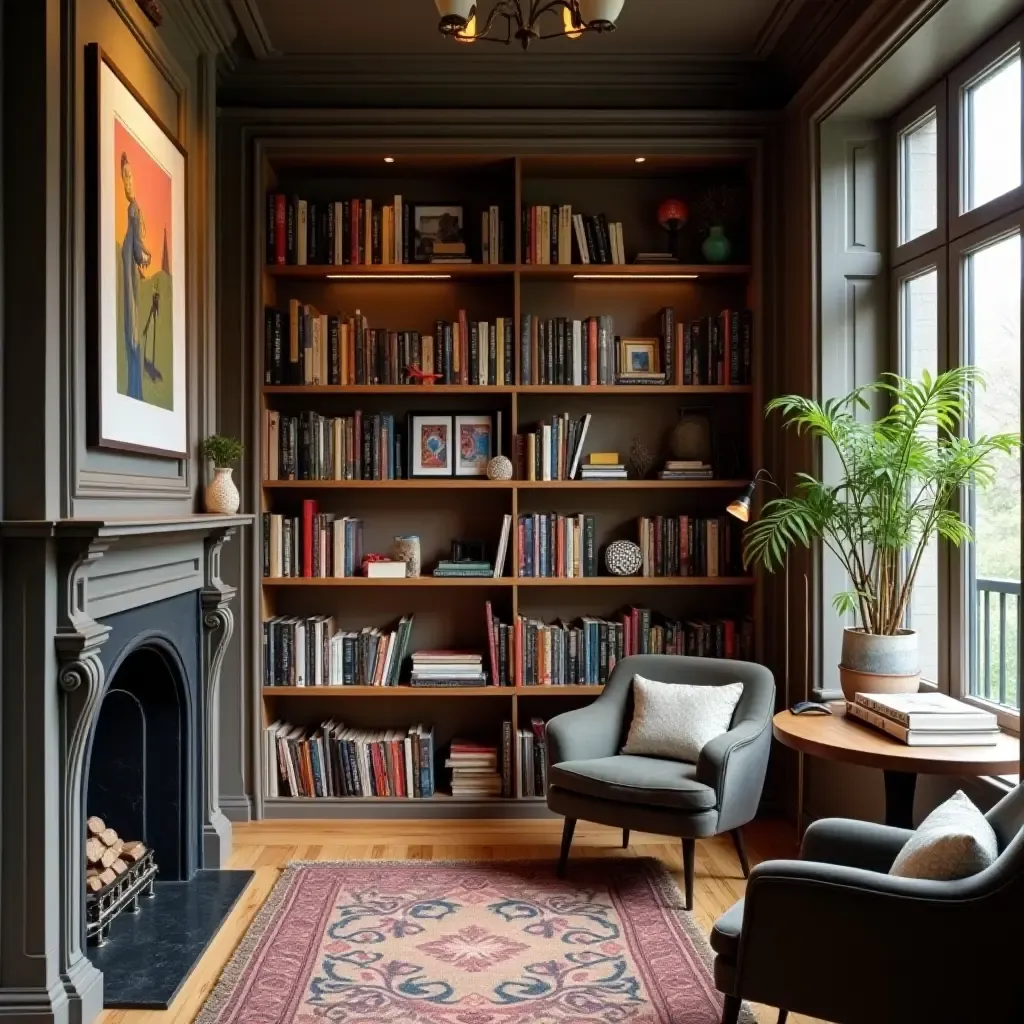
(997, 671)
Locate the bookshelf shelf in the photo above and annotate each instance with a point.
(634, 300)
(331, 692)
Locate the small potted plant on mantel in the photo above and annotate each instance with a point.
(221, 494)
(899, 484)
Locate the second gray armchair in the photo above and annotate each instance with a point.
(588, 778)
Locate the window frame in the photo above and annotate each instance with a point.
(946, 248)
(934, 100)
(918, 267)
(960, 593)
(1004, 44)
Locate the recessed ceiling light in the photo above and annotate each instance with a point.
(640, 160)
(389, 159)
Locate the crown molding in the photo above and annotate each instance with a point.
(540, 81)
(207, 23)
(253, 28)
(777, 23)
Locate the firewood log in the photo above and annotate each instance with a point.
(133, 851)
(94, 884)
(119, 867)
(108, 857)
(109, 837)
(107, 876)
(94, 826)
(94, 850)
(91, 872)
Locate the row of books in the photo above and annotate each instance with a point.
(584, 653)
(714, 349)
(554, 545)
(313, 652)
(551, 451)
(308, 446)
(500, 647)
(563, 351)
(532, 776)
(348, 231)
(305, 347)
(312, 545)
(335, 761)
(925, 719)
(690, 546)
(554, 234)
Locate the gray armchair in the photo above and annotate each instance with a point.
(588, 778)
(833, 935)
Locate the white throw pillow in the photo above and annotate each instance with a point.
(675, 720)
(954, 841)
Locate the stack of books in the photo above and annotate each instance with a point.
(474, 769)
(603, 466)
(447, 568)
(447, 668)
(686, 469)
(335, 761)
(532, 778)
(925, 719)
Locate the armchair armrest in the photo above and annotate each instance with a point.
(590, 732)
(734, 765)
(855, 844)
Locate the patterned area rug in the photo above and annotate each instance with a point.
(470, 943)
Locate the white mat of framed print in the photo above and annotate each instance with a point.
(139, 348)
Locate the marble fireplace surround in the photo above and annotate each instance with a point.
(104, 568)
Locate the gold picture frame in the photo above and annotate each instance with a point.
(639, 356)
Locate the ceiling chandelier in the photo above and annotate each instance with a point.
(522, 19)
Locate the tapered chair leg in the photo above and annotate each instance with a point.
(689, 846)
(731, 1010)
(567, 830)
(625, 838)
(741, 851)
(783, 1016)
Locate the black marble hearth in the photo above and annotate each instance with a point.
(152, 952)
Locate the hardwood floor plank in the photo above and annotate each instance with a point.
(267, 847)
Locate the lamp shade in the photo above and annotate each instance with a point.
(739, 507)
(455, 15)
(601, 14)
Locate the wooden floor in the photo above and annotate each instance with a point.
(269, 846)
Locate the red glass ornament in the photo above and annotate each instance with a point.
(673, 214)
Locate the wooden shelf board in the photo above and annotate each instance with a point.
(633, 389)
(637, 581)
(617, 485)
(624, 273)
(456, 484)
(362, 581)
(388, 691)
(350, 800)
(389, 272)
(587, 390)
(631, 272)
(569, 690)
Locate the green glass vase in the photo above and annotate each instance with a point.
(716, 248)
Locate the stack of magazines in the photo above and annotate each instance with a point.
(447, 668)
(925, 719)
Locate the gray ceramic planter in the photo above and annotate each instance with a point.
(879, 664)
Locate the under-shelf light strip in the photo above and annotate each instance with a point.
(389, 277)
(635, 277)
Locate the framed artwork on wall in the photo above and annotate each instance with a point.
(135, 270)
(474, 436)
(430, 445)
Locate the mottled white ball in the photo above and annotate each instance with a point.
(499, 468)
(623, 558)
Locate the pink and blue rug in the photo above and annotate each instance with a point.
(470, 943)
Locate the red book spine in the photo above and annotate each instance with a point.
(279, 228)
(730, 638)
(592, 350)
(492, 645)
(308, 515)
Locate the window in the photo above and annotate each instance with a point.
(991, 299)
(992, 135)
(956, 225)
(919, 337)
(919, 168)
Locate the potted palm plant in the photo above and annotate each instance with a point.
(900, 482)
(221, 494)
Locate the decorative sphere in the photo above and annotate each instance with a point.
(673, 214)
(623, 558)
(499, 468)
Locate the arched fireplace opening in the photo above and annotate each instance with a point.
(138, 774)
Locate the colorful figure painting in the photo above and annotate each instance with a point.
(145, 307)
(433, 446)
(138, 345)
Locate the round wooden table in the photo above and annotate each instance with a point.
(839, 738)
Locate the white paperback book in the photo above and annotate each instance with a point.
(929, 711)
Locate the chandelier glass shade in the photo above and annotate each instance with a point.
(522, 20)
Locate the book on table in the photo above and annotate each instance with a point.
(925, 719)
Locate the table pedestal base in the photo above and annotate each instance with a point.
(899, 798)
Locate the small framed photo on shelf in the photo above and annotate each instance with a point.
(474, 444)
(438, 234)
(639, 356)
(430, 445)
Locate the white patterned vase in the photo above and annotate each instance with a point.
(623, 558)
(221, 493)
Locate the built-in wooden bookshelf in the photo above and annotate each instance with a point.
(449, 612)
